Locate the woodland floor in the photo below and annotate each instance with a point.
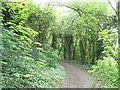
(77, 77)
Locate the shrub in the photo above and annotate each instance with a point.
(107, 71)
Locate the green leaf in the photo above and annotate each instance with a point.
(17, 74)
(28, 75)
(38, 43)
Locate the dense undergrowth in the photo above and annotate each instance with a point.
(20, 69)
(106, 69)
(24, 61)
(52, 77)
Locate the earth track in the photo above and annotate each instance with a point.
(77, 77)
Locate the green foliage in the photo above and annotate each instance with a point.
(79, 35)
(110, 42)
(17, 57)
(109, 37)
(52, 77)
(29, 32)
(40, 19)
(50, 56)
(91, 41)
(24, 62)
(107, 71)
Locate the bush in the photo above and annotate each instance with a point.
(23, 61)
(20, 69)
(50, 56)
(107, 71)
(17, 60)
(52, 77)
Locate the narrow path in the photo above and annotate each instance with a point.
(76, 77)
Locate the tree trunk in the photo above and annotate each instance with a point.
(68, 40)
(82, 51)
(74, 48)
(73, 51)
(64, 51)
(54, 41)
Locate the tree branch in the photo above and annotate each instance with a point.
(112, 6)
(79, 10)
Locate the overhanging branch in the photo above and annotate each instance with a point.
(112, 6)
(78, 10)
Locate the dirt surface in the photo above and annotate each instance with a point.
(76, 77)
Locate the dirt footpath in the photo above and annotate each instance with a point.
(76, 77)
